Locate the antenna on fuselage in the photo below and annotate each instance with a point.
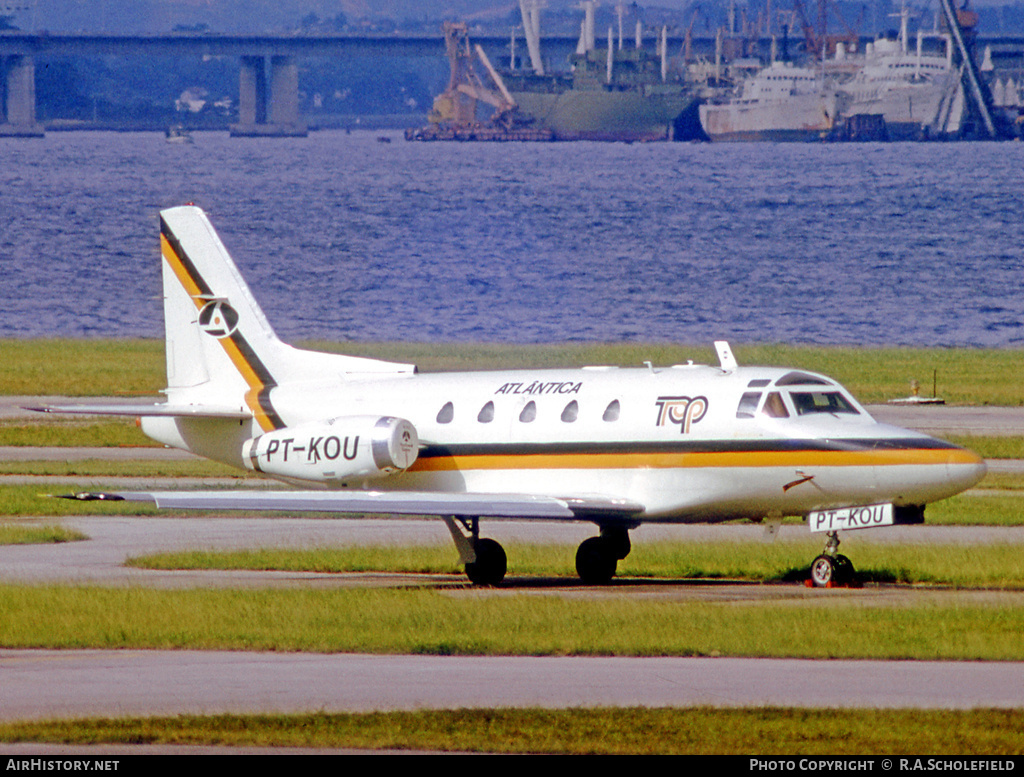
(725, 356)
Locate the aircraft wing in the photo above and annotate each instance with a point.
(154, 409)
(382, 502)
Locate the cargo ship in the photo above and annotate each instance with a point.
(634, 105)
(617, 93)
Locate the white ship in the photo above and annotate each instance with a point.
(919, 95)
(780, 102)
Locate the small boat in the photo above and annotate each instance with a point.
(177, 134)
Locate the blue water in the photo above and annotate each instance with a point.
(347, 238)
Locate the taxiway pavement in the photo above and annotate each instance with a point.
(63, 684)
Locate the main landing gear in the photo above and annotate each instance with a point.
(490, 565)
(597, 557)
(832, 568)
(485, 561)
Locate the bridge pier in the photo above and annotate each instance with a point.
(18, 98)
(273, 113)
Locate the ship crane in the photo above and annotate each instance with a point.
(454, 114)
(819, 43)
(457, 104)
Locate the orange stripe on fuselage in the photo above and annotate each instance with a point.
(670, 460)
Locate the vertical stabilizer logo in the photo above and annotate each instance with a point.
(682, 411)
(218, 319)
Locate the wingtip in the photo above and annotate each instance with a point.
(90, 496)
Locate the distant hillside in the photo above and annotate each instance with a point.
(998, 17)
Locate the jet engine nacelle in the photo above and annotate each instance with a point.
(345, 448)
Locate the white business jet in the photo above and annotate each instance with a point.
(616, 447)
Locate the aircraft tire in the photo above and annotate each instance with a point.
(490, 565)
(595, 561)
(616, 541)
(823, 571)
(844, 570)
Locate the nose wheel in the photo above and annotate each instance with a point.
(832, 568)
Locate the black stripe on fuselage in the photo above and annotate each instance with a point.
(685, 446)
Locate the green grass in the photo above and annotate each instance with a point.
(488, 622)
(109, 367)
(38, 501)
(100, 468)
(67, 367)
(996, 509)
(1001, 481)
(637, 731)
(991, 447)
(23, 534)
(63, 433)
(965, 566)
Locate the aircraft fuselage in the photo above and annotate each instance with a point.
(688, 442)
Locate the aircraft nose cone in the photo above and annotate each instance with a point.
(964, 469)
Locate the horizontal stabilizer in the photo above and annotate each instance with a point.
(378, 502)
(150, 410)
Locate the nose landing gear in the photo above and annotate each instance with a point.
(831, 568)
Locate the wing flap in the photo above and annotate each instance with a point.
(381, 502)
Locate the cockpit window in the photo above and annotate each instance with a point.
(800, 379)
(807, 402)
(748, 404)
(775, 406)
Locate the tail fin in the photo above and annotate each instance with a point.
(220, 347)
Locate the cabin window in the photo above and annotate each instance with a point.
(571, 412)
(611, 413)
(775, 406)
(759, 383)
(486, 414)
(748, 404)
(529, 412)
(446, 413)
(807, 402)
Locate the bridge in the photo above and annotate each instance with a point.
(268, 84)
